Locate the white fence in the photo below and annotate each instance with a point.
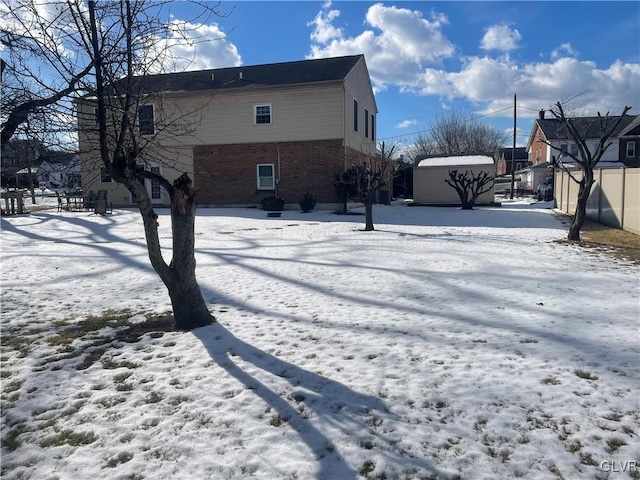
(614, 199)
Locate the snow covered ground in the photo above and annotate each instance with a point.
(445, 344)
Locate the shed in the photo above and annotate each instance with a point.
(429, 177)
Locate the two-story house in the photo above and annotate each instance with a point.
(248, 132)
(504, 161)
(546, 131)
(630, 143)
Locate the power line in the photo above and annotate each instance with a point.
(431, 129)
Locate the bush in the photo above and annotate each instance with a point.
(272, 204)
(308, 202)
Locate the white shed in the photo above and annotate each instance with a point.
(429, 186)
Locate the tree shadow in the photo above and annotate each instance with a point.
(335, 408)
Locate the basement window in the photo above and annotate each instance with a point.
(266, 177)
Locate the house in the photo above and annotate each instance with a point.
(20, 161)
(547, 131)
(60, 170)
(504, 163)
(630, 143)
(245, 133)
(429, 186)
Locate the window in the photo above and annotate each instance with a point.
(355, 115)
(373, 128)
(366, 123)
(266, 180)
(518, 165)
(564, 147)
(146, 123)
(262, 114)
(104, 176)
(155, 192)
(631, 149)
(574, 149)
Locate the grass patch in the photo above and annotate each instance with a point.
(69, 437)
(614, 443)
(612, 241)
(550, 381)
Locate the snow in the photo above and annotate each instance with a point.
(462, 160)
(445, 343)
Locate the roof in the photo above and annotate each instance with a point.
(456, 160)
(521, 153)
(273, 74)
(554, 130)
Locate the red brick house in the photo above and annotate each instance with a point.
(285, 128)
(550, 130)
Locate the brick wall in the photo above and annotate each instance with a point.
(226, 174)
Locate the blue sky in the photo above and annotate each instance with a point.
(426, 58)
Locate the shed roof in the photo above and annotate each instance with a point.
(456, 160)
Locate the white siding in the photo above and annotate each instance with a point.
(227, 117)
(358, 86)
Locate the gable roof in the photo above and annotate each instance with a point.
(273, 74)
(521, 153)
(632, 128)
(553, 128)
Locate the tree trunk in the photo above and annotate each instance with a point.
(580, 214)
(189, 308)
(368, 215)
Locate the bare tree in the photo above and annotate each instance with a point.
(369, 177)
(117, 43)
(587, 156)
(38, 73)
(456, 134)
(469, 186)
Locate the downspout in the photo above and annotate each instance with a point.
(277, 182)
(344, 124)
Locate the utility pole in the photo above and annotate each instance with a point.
(513, 152)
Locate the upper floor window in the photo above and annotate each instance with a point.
(355, 115)
(631, 149)
(366, 123)
(373, 128)
(146, 123)
(574, 149)
(262, 114)
(564, 147)
(266, 177)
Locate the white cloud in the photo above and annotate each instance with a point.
(490, 82)
(407, 123)
(323, 30)
(564, 49)
(406, 50)
(196, 47)
(396, 46)
(500, 37)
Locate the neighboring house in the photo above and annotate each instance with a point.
(630, 143)
(429, 186)
(542, 156)
(252, 131)
(504, 163)
(20, 161)
(60, 170)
